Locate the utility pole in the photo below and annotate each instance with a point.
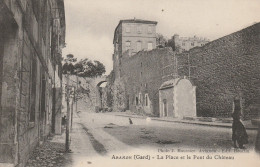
(67, 140)
(189, 66)
(172, 67)
(76, 98)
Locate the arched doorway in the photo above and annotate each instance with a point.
(100, 87)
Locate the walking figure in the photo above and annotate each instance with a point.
(239, 134)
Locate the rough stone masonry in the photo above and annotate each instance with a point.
(225, 72)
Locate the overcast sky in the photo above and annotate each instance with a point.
(91, 23)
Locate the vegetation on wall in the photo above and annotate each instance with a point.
(82, 68)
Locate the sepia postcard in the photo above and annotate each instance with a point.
(129, 83)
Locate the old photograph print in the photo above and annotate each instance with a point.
(129, 83)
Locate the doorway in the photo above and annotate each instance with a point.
(1, 62)
(165, 112)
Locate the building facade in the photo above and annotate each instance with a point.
(31, 38)
(132, 36)
(225, 73)
(186, 43)
(177, 98)
(142, 78)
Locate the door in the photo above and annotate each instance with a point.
(165, 112)
(138, 46)
(1, 63)
(42, 106)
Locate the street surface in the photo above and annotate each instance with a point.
(109, 133)
(105, 138)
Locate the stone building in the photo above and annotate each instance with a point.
(177, 98)
(31, 38)
(226, 73)
(186, 43)
(142, 77)
(133, 35)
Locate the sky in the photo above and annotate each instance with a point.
(90, 24)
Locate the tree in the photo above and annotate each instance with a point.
(175, 47)
(171, 43)
(87, 68)
(82, 68)
(161, 41)
(68, 67)
(100, 68)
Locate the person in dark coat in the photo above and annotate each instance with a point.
(257, 143)
(239, 134)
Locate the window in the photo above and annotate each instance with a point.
(150, 46)
(146, 99)
(139, 29)
(141, 64)
(127, 29)
(183, 44)
(51, 37)
(150, 29)
(165, 108)
(136, 100)
(140, 98)
(43, 94)
(127, 45)
(1, 63)
(138, 46)
(33, 90)
(192, 44)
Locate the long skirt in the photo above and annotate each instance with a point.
(239, 133)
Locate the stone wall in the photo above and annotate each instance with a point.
(9, 86)
(224, 70)
(142, 74)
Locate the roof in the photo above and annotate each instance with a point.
(170, 83)
(137, 21)
(133, 21)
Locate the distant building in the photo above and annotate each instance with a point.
(132, 36)
(186, 43)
